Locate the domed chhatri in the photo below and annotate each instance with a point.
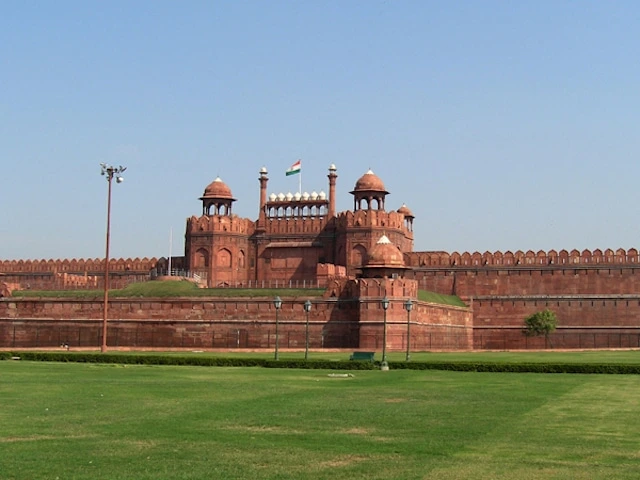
(408, 216)
(369, 190)
(217, 197)
(384, 254)
(217, 189)
(384, 259)
(369, 182)
(404, 210)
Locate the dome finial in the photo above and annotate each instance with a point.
(217, 189)
(369, 182)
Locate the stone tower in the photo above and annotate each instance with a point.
(217, 242)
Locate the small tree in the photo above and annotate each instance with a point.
(541, 323)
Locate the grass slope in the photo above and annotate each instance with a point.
(112, 422)
(173, 289)
(189, 289)
(439, 298)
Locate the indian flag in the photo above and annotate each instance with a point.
(294, 169)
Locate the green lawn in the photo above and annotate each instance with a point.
(172, 289)
(440, 298)
(82, 421)
(189, 289)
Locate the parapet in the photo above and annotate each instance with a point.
(77, 265)
(220, 224)
(371, 218)
(520, 258)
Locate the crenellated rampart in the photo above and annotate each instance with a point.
(75, 273)
(371, 218)
(77, 265)
(220, 224)
(520, 258)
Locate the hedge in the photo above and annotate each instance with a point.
(132, 359)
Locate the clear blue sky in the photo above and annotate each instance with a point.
(503, 125)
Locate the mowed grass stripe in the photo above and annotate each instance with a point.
(106, 421)
(589, 432)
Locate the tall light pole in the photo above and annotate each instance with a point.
(385, 306)
(109, 172)
(408, 305)
(307, 309)
(277, 302)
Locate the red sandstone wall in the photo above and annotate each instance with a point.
(530, 258)
(179, 323)
(77, 266)
(548, 281)
(583, 321)
(433, 327)
(73, 274)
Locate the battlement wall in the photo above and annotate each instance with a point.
(380, 287)
(220, 223)
(561, 280)
(371, 218)
(520, 258)
(77, 265)
(75, 273)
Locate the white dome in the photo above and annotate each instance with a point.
(297, 196)
(281, 197)
(322, 195)
(305, 196)
(314, 195)
(289, 196)
(273, 197)
(332, 168)
(263, 170)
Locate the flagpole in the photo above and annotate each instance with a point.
(170, 245)
(300, 182)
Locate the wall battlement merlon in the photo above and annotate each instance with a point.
(556, 298)
(528, 258)
(371, 218)
(520, 269)
(220, 223)
(77, 265)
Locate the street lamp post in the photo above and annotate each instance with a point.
(277, 302)
(109, 172)
(408, 305)
(385, 306)
(307, 309)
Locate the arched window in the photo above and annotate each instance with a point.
(223, 258)
(201, 258)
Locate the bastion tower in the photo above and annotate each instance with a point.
(361, 228)
(217, 242)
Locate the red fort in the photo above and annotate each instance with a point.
(358, 256)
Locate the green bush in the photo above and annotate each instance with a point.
(204, 361)
(520, 367)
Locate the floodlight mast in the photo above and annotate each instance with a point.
(109, 172)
